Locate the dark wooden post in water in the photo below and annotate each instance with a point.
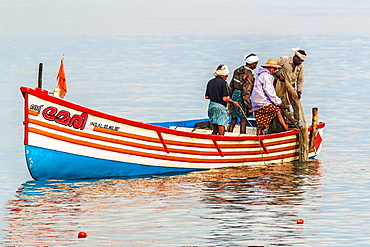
(315, 120)
(303, 144)
(39, 85)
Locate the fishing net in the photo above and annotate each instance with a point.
(294, 112)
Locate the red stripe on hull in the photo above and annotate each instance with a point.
(158, 156)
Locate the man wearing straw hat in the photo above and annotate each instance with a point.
(218, 94)
(265, 103)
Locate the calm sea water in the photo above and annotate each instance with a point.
(155, 78)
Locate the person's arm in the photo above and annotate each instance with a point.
(247, 90)
(207, 92)
(268, 88)
(228, 100)
(300, 81)
(231, 86)
(279, 73)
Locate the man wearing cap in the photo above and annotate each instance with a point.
(241, 87)
(291, 73)
(265, 103)
(218, 93)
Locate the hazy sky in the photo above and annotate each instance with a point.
(180, 17)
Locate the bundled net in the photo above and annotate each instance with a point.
(287, 93)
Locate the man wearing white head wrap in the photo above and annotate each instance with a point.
(221, 70)
(241, 87)
(218, 94)
(292, 71)
(294, 68)
(251, 58)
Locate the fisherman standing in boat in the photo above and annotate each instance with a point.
(218, 93)
(265, 103)
(241, 87)
(292, 72)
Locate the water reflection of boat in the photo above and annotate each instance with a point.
(64, 140)
(227, 205)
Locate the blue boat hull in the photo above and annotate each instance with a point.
(45, 164)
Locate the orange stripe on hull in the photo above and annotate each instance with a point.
(32, 112)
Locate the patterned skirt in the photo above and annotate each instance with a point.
(265, 115)
(236, 112)
(217, 113)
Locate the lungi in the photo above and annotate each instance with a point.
(265, 115)
(236, 112)
(217, 113)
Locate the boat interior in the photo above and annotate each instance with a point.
(204, 126)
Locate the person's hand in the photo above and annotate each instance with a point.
(282, 106)
(235, 104)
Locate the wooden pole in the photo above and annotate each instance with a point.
(39, 85)
(315, 120)
(303, 144)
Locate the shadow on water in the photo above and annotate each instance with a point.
(233, 206)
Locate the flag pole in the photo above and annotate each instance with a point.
(39, 85)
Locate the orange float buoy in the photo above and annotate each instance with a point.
(300, 221)
(82, 235)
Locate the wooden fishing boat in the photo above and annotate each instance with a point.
(64, 140)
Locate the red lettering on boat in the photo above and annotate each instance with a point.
(64, 117)
(49, 113)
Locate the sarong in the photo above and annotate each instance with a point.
(265, 115)
(217, 113)
(236, 112)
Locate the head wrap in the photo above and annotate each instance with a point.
(298, 54)
(221, 70)
(251, 58)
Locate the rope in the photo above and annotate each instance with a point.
(245, 115)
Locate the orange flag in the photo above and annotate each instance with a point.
(61, 81)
